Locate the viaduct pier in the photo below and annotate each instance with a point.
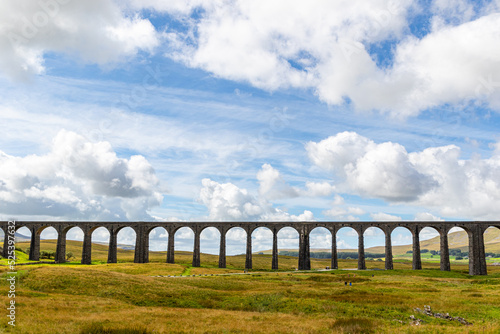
(475, 231)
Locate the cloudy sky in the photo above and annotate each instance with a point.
(250, 110)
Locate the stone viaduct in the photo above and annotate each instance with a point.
(475, 231)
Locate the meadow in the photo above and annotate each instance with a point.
(141, 298)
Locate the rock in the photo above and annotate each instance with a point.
(428, 311)
(415, 321)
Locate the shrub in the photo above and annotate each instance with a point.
(20, 249)
(354, 325)
(47, 255)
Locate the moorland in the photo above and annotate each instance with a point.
(157, 297)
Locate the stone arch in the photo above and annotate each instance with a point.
(374, 236)
(25, 231)
(262, 244)
(22, 229)
(347, 240)
(210, 233)
(48, 241)
(100, 236)
(320, 237)
(157, 237)
(47, 229)
(126, 243)
(288, 241)
(497, 225)
(459, 246)
(430, 238)
(183, 242)
(491, 234)
(75, 235)
(321, 241)
(4, 236)
(401, 241)
(207, 249)
(5, 242)
(286, 234)
(414, 228)
(235, 240)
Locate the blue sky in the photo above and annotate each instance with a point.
(235, 110)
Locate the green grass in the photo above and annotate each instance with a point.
(139, 298)
(114, 298)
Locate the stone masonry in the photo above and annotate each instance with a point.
(475, 231)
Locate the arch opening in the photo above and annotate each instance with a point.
(48, 243)
(158, 244)
(23, 239)
(236, 241)
(100, 244)
(401, 241)
(458, 249)
(492, 245)
(210, 239)
(288, 247)
(125, 239)
(347, 247)
(374, 241)
(320, 241)
(74, 244)
(262, 248)
(184, 245)
(430, 247)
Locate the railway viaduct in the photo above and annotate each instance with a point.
(475, 232)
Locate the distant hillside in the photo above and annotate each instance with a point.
(119, 246)
(21, 237)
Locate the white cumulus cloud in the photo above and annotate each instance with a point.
(435, 178)
(96, 31)
(228, 202)
(375, 170)
(325, 46)
(78, 179)
(272, 185)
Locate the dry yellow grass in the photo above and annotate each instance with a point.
(70, 297)
(67, 298)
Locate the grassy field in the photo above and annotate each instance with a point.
(141, 298)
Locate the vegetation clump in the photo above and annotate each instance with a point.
(99, 328)
(127, 297)
(354, 325)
